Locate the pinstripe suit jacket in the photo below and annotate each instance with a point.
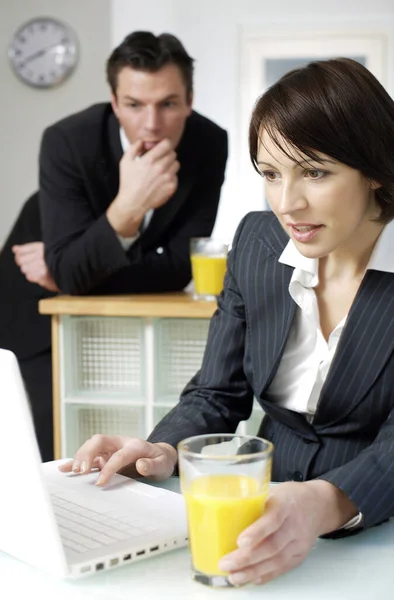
(351, 440)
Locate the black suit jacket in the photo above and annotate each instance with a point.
(79, 178)
(22, 329)
(351, 440)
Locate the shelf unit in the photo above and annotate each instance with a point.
(119, 371)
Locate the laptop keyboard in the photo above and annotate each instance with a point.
(85, 527)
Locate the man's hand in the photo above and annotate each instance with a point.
(146, 182)
(129, 456)
(296, 514)
(30, 260)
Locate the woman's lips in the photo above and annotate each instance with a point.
(305, 233)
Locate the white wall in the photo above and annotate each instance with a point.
(25, 111)
(211, 31)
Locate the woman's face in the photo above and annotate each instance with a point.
(322, 206)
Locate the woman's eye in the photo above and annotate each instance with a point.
(269, 175)
(315, 174)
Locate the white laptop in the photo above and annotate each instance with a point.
(64, 523)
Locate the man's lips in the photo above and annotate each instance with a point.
(150, 145)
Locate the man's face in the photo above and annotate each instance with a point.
(152, 106)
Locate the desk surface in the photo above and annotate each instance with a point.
(177, 305)
(354, 568)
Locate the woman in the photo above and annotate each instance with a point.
(305, 323)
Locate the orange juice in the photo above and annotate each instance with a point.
(208, 273)
(219, 507)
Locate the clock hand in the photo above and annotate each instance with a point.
(40, 53)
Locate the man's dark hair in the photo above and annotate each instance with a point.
(144, 51)
(336, 107)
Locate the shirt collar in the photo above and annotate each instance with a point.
(123, 139)
(306, 269)
(382, 258)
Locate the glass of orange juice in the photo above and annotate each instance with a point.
(208, 257)
(225, 481)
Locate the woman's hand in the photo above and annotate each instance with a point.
(133, 457)
(296, 514)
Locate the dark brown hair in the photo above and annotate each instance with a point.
(144, 51)
(336, 107)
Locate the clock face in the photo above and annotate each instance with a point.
(43, 52)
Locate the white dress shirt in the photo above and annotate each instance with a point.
(308, 356)
(126, 242)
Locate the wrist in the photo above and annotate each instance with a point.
(124, 221)
(334, 509)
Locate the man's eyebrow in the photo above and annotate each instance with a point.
(170, 97)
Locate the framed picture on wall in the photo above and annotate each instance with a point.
(265, 58)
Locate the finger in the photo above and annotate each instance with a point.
(33, 271)
(161, 149)
(29, 248)
(26, 258)
(128, 455)
(158, 468)
(265, 550)
(31, 261)
(66, 467)
(97, 445)
(275, 514)
(135, 150)
(174, 168)
(270, 569)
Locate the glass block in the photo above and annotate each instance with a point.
(83, 421)
(104, 356)
(180, 346)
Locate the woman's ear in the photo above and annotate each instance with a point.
(375, 185)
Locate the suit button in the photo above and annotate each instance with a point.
(297, 476)
(159, 250)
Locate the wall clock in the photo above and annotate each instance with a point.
(43, 52)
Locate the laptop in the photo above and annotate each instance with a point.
(65, 524)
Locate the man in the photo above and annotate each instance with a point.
(124, 186)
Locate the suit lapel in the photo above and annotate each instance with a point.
(271, 316)
(114, 155)
(366, 344)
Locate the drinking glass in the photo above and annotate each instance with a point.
(225, 481)
(208, 258)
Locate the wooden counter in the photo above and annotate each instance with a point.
(177, 305)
